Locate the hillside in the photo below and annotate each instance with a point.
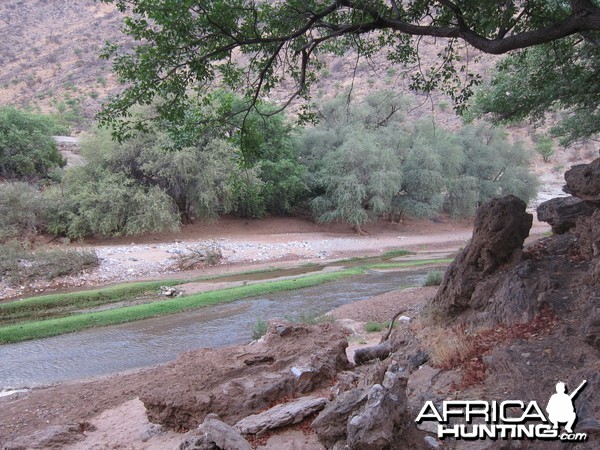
(50, 59)
(49, 54)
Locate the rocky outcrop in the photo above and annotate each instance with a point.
(375, 425)
(500, 228)
(365, 418)
(562, 212)
(331, 424)
(541, 304)
(236, 382)
(583, 181)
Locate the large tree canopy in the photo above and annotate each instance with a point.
(186, 45)
(560, 75)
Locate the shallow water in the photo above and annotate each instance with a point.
(117, 348)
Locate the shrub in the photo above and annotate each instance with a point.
(259, 329)
(373, 327)
(395, 253)
(107, 204)
(545, 147)
(19, 264)
(204, 255)
(22, 209)
(27, 148)
(434, 278)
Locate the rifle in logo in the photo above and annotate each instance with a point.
(560, 407)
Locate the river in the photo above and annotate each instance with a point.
(106, 350)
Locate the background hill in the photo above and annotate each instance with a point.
(49, 54)
(49, 60)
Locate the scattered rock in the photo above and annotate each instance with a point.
(168, 291)
(304, 359)
(214, 434)
(431, 442)
(280, 415)
(153, 430)
(561, 213)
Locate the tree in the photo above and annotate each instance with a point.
(364, 160)
(558, 76)
(354, 165)
(184, 46)
(27, 148)
(545, 147)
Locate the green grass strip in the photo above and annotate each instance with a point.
(396, 253)
(82, 299)
(46, 304)
(70, 324)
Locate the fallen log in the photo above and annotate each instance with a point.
(380, 351)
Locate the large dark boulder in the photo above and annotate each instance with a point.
(583, 181)
(562, 212)
(501, 226)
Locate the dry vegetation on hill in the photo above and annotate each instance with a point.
(51, 57)
(50, 51)
(50, 60)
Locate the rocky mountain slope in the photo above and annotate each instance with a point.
(50, 60)
(49, 54)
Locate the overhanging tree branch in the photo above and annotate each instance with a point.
(173, 39)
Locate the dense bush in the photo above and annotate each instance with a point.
(102, 203)
(27, 148)
(365, 160)
(434, 278)
(22, 209)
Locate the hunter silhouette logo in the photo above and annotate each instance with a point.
(560, 407)
(510, 419)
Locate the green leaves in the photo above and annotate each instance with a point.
(185, 48)
(365, 162)
(559, 77)
(27, 148)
